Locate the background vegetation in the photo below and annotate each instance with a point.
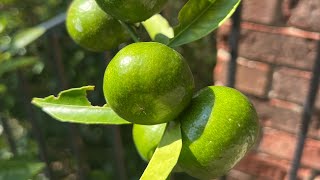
(31, 141)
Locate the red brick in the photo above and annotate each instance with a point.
(223, 35)
(286, 118)
(282, 145)
(306, 15)
(268, 167)
(284, 31)
(238, 175)
(285, 105)
(278, 49)
(220, 70)
(251, 76)
(292, 85)
(225, 29)
(265, 12)
(263, 165)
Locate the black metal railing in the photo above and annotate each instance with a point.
(308, 104)
(234, 46)
(306, 116)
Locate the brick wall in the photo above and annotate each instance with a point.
(277, 52)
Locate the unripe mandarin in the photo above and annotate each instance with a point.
(148, 83)
(92, 28)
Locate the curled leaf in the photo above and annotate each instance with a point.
(73, 106)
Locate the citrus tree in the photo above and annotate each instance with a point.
(18, 154)
(150, 85)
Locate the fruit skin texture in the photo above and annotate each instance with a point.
(146, 138)
(90, 27)
(131, 11)
(218, 129)
(148, 83)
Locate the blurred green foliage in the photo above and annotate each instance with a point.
(53, 63)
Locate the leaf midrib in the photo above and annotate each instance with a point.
(68, 105)
(192, 22)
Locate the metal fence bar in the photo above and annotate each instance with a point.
(234, 45)
(306, 116)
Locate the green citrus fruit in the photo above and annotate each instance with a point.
(218, 128)
(92, 28)
(132, 11)
(148, 83)
(146, 138)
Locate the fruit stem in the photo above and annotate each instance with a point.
(131, 31)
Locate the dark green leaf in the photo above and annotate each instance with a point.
(166, 155)
(73, 106)
(158, 29)
(17, 63)
(200, 17)
(19, 169)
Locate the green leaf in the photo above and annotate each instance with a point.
(73, 106)
(17, 63)
(166, 155)
(3, 88)
(5, 55)
(3, 24)
(19, 169)
(27, 36)
(200, 17)
(158, 29)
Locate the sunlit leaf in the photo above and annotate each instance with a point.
(3, 24)
(4, 56)
(73, 106)
(158, 29)
(198, 18)
(17, 63)
(166, 155)
(19, 169)
(27, 36)
(3, 88)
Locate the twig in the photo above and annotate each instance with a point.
(131, 31)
